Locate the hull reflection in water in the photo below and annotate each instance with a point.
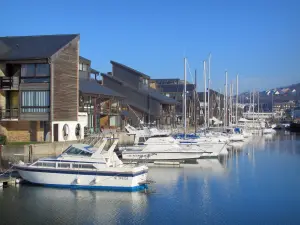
(170, 174)
(46, 205)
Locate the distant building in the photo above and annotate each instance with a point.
(143, 102)
(281, 107)
(173, 88)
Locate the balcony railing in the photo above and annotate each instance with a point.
(9, 114)
(101, 110)
(9, 83)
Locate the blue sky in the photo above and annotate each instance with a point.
(258, 39)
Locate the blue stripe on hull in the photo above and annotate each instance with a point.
(90, 187)
(78, 172)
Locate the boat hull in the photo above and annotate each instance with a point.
(154, 156)
(210, 149)
(295, 127)
(101, 180)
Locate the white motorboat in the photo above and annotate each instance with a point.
(83, 166)
(161, 148)
(210, 146)
(268, 131)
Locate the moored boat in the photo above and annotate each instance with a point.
(83, 166)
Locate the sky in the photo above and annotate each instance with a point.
(259, 39)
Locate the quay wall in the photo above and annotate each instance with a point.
(15, 153)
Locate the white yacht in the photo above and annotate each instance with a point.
(83, 166)
(209, 146)
(161, 149)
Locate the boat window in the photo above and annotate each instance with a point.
(85, 153)
(45, 164)
(83, 166)
(73, 151)
(63, 165)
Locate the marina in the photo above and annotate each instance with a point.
(149, 112)
(247, 186)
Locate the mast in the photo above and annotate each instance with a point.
(204, 77)
(237, 99)
(220, 105)
(184, 97)
(258, 105)
(226, 107)
(230, 103)
(208, 94)
(253, 110)
(195, 97)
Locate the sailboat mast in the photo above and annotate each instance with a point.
(208, 94)
(220, 105)
(237, 99)
(195, 97)
(226, 94)
(253, 109)
(230, 103)
(204, 77)
(184, 101)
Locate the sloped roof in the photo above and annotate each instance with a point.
(84, 60)
(138, 73)
(32, 47)
(152, 92)
(168, 88)
(93, 87)
(161, 98)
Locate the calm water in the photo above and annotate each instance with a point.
(258, 184)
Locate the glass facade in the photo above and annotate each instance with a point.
(35, 73)
(35, 101)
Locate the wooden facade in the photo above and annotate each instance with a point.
(65, 83)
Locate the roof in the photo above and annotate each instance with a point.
(84, 60)
(151, 91)
(160, 97)
(167, 88)
(93, 71)
(33, 47)
(138, 73)
(166, 81)
(93, 87)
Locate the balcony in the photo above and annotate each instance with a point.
(9, 114)
(9, 83)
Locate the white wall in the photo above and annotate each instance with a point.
(82, 120)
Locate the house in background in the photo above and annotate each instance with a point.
(143, 104)
(101, 104)
(173, 88)
(39, 86)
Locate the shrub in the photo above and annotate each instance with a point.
(3, 140)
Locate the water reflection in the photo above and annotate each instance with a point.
(64, 206)
(258, 177)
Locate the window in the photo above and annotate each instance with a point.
(65, 131)
(35, 73)
(45, 164)
(35, 101)
(73, 151)
(42, 70)
(83, 166)
(84, 67)
(28, 70)
(63, 165)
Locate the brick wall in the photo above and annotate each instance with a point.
(20, 131)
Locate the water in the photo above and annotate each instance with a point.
(258, 184)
